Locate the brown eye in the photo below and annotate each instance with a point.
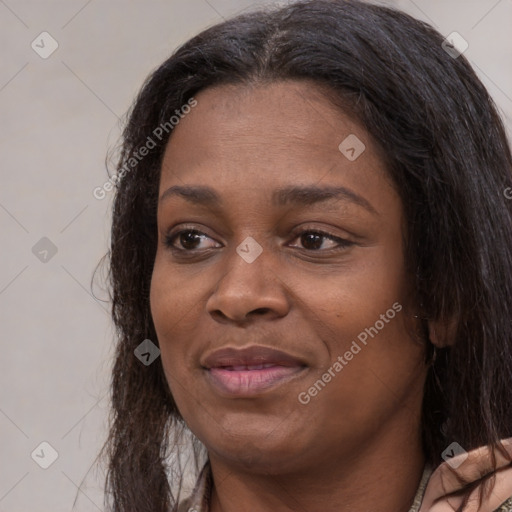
(188, 240)
(312, 240)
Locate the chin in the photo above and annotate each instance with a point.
(262, 452)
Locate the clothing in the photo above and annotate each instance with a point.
(199, 500)
(200, 497)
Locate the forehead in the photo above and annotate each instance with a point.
(255, 137)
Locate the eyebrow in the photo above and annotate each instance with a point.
(296, 195)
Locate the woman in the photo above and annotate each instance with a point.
(310, 228)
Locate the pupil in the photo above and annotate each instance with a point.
(312, 236)
(188, 239)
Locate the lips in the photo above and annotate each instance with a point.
(248, 367)
(250, 371)
(254, 355)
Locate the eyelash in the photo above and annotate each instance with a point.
(343, 244)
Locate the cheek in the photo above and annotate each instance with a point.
(173, 293)
(175, 301)
(375, 380)
(353, 300)
(365, 314)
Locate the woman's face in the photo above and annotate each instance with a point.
(283, 347)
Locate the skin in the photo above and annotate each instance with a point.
(356, 445)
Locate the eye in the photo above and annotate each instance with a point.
(311, 239)
(187, 238)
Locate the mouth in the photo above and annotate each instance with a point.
(250, 371)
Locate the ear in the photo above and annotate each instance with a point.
(442, 332)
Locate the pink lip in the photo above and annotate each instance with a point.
(250, 371)
(250, 382)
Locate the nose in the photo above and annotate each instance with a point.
(248, 290)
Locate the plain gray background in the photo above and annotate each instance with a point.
(59, 116)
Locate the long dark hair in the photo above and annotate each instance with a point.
(449, 159)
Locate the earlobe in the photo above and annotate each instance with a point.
(442, 333)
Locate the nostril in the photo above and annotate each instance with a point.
(261, 311)
(221, 316)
